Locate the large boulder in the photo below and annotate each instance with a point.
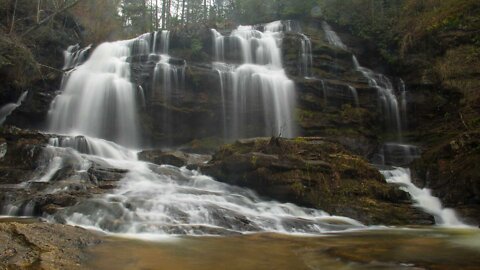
(314, 172)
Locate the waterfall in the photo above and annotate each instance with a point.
(257, 92)
(7, 109)
(395, 153)
(74, 56)
(98, 98)
(165, 42)
(386, 95)
(306, 56)
(403, 103)
(354, 92)
(154, 201)
(387, 100)
(332, 36)
(168, 79)
(218, 46)
(423, 197)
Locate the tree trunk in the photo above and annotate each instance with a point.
(183, 12)
(38, 10)
(156, 14)
(164, 4)
(168, 12)
(205, 10)
(12, 25)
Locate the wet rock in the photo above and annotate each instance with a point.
(314, 172)
(451, 170)
(44, 246)
(25, 191)
(174, 158)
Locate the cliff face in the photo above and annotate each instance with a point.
(441, 99)
(326, 105)
(33, 62)
(434, 46)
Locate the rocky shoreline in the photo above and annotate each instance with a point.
(33, 244)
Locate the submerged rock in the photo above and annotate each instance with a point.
(317, 173)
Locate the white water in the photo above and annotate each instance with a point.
(168, 79)
(257, 91)
(354, 93)
(165, 200)
(386, 94)
(306, 56)
(332, 36)
(98, 98)
(423, 198)
(7, 109)
(74, 56)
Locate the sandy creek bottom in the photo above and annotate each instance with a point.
(406, 248)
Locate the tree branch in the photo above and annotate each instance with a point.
(50, 17)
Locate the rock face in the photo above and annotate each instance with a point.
(23, 187)
(193, 109)
(314, 172)
(43, 246)
(451, 170)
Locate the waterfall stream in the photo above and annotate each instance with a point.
(7, 109)
(423, 198)
(396, 153)
(98, 98)
(97, 113)
(153, 201)
(259, 82)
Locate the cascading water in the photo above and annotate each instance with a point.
(423, 198)
(403, 103)
(160, 200)
(396, 153)
(7, 109)
(306, 56)
(257, 92)
(74, 56)
(386, 94)
(354, 93)
(98, 98)
(168, 78)
(164, 200)
(332, 36)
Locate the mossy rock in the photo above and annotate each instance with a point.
(314, 172)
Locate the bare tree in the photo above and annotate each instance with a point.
(183, 12)
(156, 14)
(47, 19)
(163, 13)
(12, 25)
(38, 10)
